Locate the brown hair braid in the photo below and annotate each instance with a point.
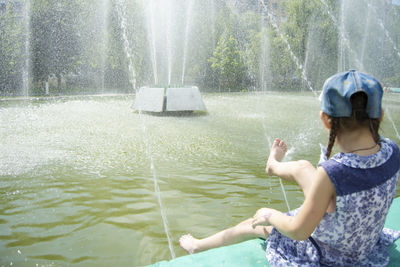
(374, 128)
(332, 135)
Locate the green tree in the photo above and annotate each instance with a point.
(56, 47)
(313, 39)
(12, 39)
(254, 45)
(228, 64)
(283, 67)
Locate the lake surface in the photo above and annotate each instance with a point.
(78, 174)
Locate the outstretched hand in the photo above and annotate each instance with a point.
(262, 217)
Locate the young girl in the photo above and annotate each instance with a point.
(347, 198)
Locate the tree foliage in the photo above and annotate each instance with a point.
(11, 50)
(227, 63)
(56, 48)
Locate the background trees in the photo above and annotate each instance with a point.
(227, 64)
(55, 45)
(11, 48)
(77, 45)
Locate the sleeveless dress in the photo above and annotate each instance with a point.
(353, 235)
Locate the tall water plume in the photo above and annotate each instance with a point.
(105, 8)
(121, 9)
(169, 41)
(26, 53)
(189, 10)
(272, 21)
(169, 27)
(213, 19)
(366, 33)
(341, 49)
(151, 36)
(347, 57)
(149, 151)
(381, 24)
(264, 61)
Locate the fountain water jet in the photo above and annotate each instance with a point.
(169, 43)
(366, 30)
(122, 16)
(214, 39)
(342, 52)
(344, 44)
(165, 99)
(391, 120)
(26, 66)
(121, 9)
(105, 8)
(186, 38)
(151, 36)
(294, 57)
(264, 56)
(387, 34)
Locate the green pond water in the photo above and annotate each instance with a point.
(77, 187)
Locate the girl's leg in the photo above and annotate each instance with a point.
(239, 233)
(301, 172)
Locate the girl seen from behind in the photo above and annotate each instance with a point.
(347, 197)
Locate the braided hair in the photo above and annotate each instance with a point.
(358, 119)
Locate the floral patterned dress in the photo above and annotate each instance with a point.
(353, 235)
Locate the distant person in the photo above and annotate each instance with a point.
(347, 197)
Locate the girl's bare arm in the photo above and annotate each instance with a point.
(311, 213)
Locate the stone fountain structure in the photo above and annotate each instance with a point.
(162, 100)
(164, 40)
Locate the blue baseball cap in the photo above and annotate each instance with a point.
(338, 89)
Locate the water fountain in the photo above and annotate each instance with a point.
(392, 122)
(105, 14)
(274, 24)
(169, 45)
(170, 99)
(27, 44)
(344, 44)
(264, 62)
(121, 9)
(151, 33)
(186, 38)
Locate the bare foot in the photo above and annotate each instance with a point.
(276, 154)
(188, 243)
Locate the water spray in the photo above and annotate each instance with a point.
(380, 23)
(169, 43)
(344, 40)
(391, 120)
(122, 15)
(296, 60)
(27, 44)
(186, 40)
(121, 9)
(152, 39)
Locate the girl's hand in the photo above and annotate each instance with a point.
(262, 217)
